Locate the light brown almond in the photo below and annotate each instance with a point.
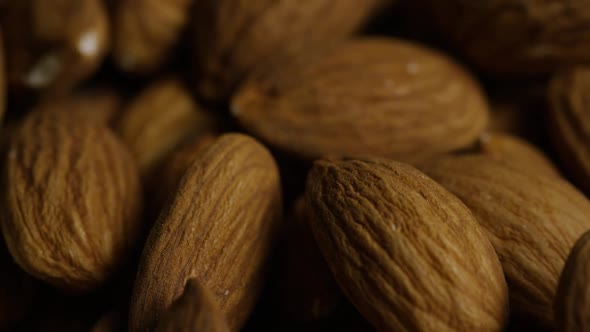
(71, 201)
(532, 220)
(407, 253)
(572, 303)
(233, 37)
(219, 228)
(195, 310)
(369, 96)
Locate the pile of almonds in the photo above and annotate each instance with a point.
(283, 165)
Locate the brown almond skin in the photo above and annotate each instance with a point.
(514, 37)
(164, 186)
(516, 151)
(532, 220)
(219, 228)
(569, 124)
(160, 119)
(572, 303)
(195, 310)
(54, 45)
(369, 96)
(234, 37)
(146, 31)
(390, 236)
(71, 201)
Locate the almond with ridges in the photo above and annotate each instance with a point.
(531, 219)
(71, 201)
(407, 253)
(219, 228)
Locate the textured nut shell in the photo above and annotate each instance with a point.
(572, 301)
(195, 310)
(518, 152)
(71, 201)
(235, 36)
(569, 121)
(218, 229)
(532, 220)
(161, 118)
(379, 97)
(54, 44)
(516, 37)
(164, 186)
(408, 254)
(145, 31)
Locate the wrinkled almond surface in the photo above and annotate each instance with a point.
(408, 254)
(532, 220)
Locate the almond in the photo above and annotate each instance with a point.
(146, 31)
(515, 37)
(161, 118)
(573, 294)
(195, 310)
(219, 228)
(407, 253)
(513, 150)
(72, 199)
(234, 37)
(53, 44)
(380, 97)
(532, 220)
(569, 117)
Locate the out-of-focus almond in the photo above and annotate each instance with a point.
(532, 220)
(160, 119)
(380, 97)
(145, 31)
(72, 201)
(234, 37)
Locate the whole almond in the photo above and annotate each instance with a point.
(515, 37)
(569, 117)
(195, 310)
(407, 253)
(146, 31)
(72, 199)
(516, 151)
(219, 228)
(157, 121)
(234, 37)
(572, 305)
(532, 220)
(379, 97)
(53, 44)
